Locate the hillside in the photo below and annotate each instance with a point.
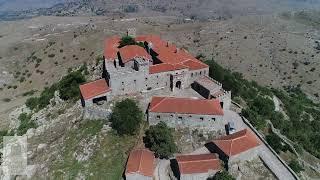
(273, 43)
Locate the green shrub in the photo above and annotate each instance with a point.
(127, 40)
(25, 124)
(98, 60)
(254, 118)
(68, 86)
(29, 93)
(159, 139)
(51, 55)
(275, 142)
(126, 117)
(6, 99)
(295, 166)
(32, 103)
(222, 175)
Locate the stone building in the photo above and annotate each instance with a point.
(212, 89)
(186, 112)
(154, 64)
(158, 64)
(95, 92)
(240, 146)
(195, 167)
(140, 165)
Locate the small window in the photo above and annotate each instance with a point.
(157, 83)
(200, 72)
(158, 117)
(134, 81)
(201, 118)
(190, 116)
(214, 119)
(122, 83)
(180, 118)
(146, 78)
(157, 76)
(171, 115)
(191, 74)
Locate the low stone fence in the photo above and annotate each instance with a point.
(246, 121)
(94, 112)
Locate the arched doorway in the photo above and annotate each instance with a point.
(178, 84)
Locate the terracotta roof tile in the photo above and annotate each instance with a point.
(185, 106)
(165, 67)
(94, 88)
(141, 161)
(167, 53)
(190, 164)
(127, 53)
(238, 142)
(111, 47)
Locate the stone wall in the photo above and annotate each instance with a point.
(197, 176)
(175, 120)
(195, 74)
(158, 80)
(93, 112)
(135, 176)
(226, 99)
(89, 102)
(244, 156)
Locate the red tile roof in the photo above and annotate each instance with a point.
(165, 67)
(238, 142)
(127, 53)
(141, 161)
(185, 106)
(167, 52)
(94, 88)
(190, 164)
(111, 47)
(195, 64)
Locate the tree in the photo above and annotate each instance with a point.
(69, 85)
(274, 141)
(126, 117)
(126, 40)
(264, 106)
(159, 139)
(222, 175)
(295, 166)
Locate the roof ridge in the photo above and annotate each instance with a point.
(158, 102)
(199, 160)
(140, 160)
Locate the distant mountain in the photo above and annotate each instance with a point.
(199, 9)
(20, 5)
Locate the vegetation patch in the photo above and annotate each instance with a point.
(29, 93)
(128, 40)
(126, 117)
(222, 175)
(295, 166)
(107, 160)
(25, 123)
(159, 139)
(303, 122)
(68, 88)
